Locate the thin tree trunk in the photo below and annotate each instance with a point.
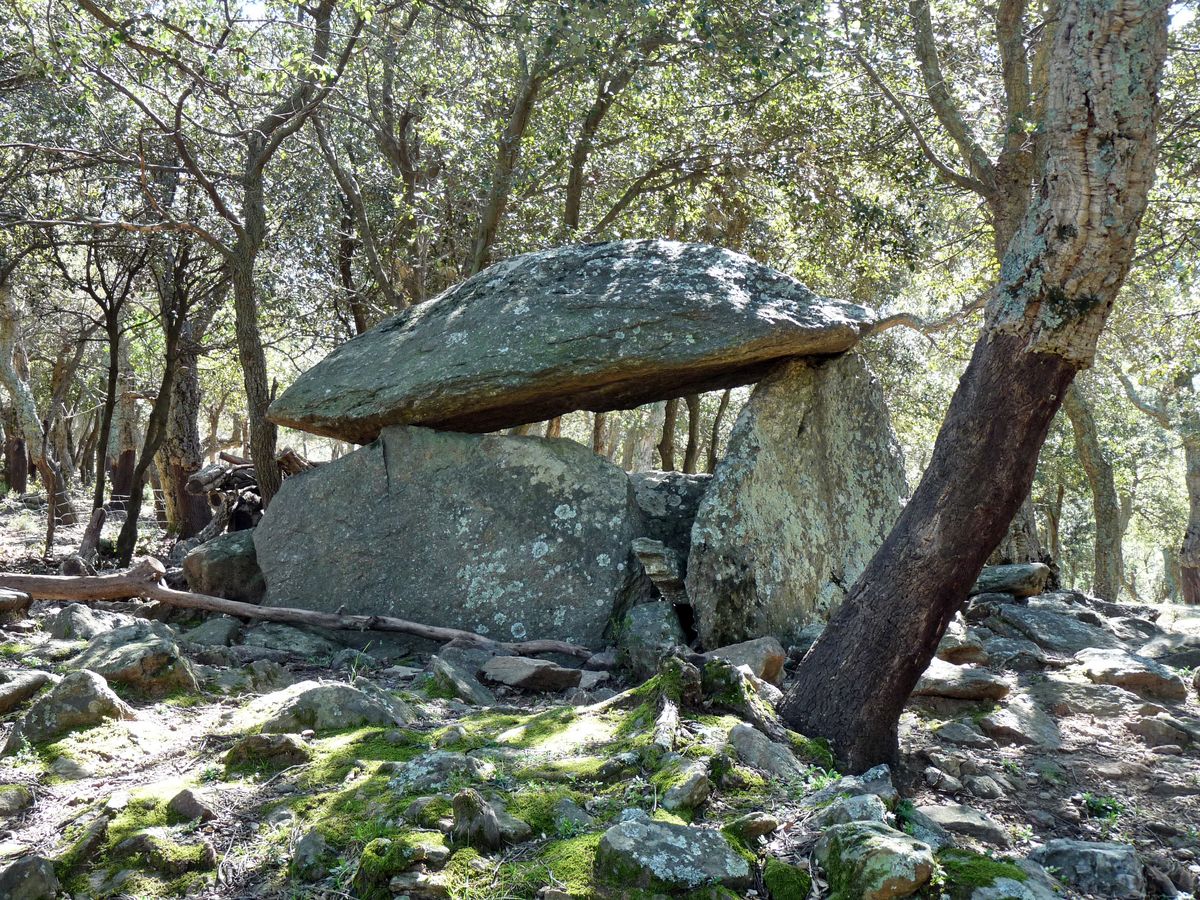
(666, 445)
(692, 453)
(600, 433)
(16, 457)
(715, 436)
(1106, 507)
(1171, 575)
(1189, 553)
(1060, 275)
(554, 427)
(181, 456)
(263, 433)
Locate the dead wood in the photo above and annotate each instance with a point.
(145, 579)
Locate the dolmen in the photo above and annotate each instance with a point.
(440, 519)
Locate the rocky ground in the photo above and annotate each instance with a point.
(1052, 750)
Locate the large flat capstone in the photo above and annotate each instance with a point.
(598, 326)
(511, 537)
(811, 483)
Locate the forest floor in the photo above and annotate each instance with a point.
(362, 808)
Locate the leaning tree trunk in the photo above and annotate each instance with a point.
(692, 454)
(714, 440)
(666, 446)
(1106, 506)
(1060, 276)
(254, 376)
(1189, 553)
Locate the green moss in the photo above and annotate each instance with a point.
(963, 871)
(571, 862)
(815, 750)
(384, 857)
(535, 803)
(786, 882)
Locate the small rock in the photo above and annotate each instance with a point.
(925, 829)
(765, 656)
(419, 885)
(268, 750)
(758, 751)
(80, 700)
(639, 853)
(14, 799)
(1135, 673)
(754, 825)
(1022, 722)
(475, 821)
(353, 660)
(291, 640)
(531, 674)
(942, 781)
(326, 706)
(964, 735)
(450, 677)
(864, 808)
(958, 819)
(189, 805)
(649, 632)
(143, 655)
(876, 781)
(1014, 654)
(691, 784)
(603, 661)
(1158, 731)
(984, 786)
(226, 566)
(219, 631)
(431, 771)
(76, 622)
(310, 856)
(1100, 869)
(943, 679)
(568, 811)
(871, 861)
(29, 878)
(961, 645)
(1020, 579)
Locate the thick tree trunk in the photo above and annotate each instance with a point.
(1060, 275)
(1171, 576)
(180, 455)
(16, 456)
(692, 454)
(666, 444)
(1106, 506)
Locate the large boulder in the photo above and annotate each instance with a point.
(80, 700)
(226, 566)
(669, 502)
(510, 537)
(598, 326)
(812, 480)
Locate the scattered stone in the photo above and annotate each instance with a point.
(959, 819)
(226, 566)
(961, 645)
(219, 631)
(648, 632)
(871, 861)
(772, 548)
(475, 822)
(1022, 722)
(863, 808)
(512, 829)
(1135, 673)
(753, 825)
(29, 878)
(570, 813)
(291, 640)
(690, 784)
(668, 502)
(596, 326)
(983, 786)
(420, 885)
(161, 852)
(1014, 654)
(311, 855)
(77, 622)
(80, 700)
(876, 781)
(21, 686)
(589, 681)
(943, 679)
(941, 780)
(963, 734)
(452, 678)
(639, 853)
(925, 829)
(191, 806)
(433, 770)
(758, 751)
(764, 656)
(557, 564)
(531, 674)
(1061, 696)
(268, 751)
(1099, 869)
(14, 799)
(1019, 579)
(143, 656)
(325, 706)
(1159, 731)
(603, 661)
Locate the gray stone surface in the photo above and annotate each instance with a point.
(298, 641)
(765, 656)
(877, 781)
(1018, 579)
(758, 751)
(812, 480)
(531, 674)
(80, 700)
(1134, 673)
(143, 656)
(958, 819)
(510, 537)
(943, 679)
(1056, 631)
(29, 878)
(642, 854)
(18, 687)
(1095, 868)
(450, 676)
(597, 326)
(325, 706)
(78, 622)
(669, 501)
(219, 631)
(1022, 722)
(226, 566)
(14, 799)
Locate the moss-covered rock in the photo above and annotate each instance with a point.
(964, 872)
(384, 858)
(648, 855)
(871, 861)
(785, 881)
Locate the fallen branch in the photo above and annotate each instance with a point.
(145, 579)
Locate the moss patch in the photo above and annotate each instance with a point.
(786, 882)
(963, 871)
